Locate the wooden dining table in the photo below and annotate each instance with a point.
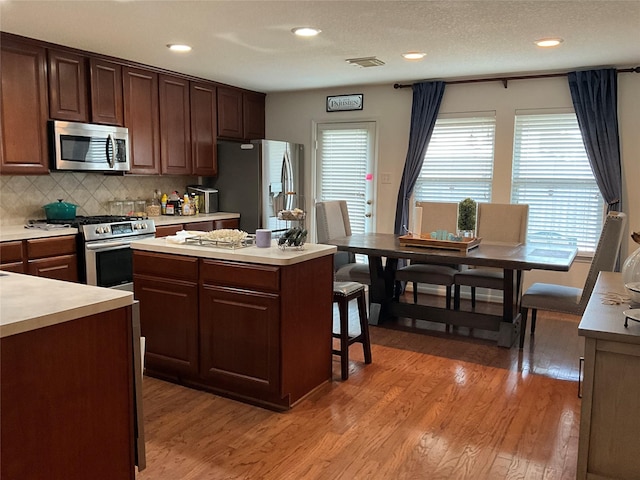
(513, 259)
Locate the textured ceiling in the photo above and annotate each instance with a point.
(249, 43)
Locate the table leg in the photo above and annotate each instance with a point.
(381, 288)
(511, 319)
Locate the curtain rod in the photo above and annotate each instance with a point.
(505, 80)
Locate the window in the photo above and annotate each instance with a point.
(459, 161)
(551, 173)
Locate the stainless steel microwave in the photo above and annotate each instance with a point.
(89, 147)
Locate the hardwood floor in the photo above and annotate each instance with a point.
(432, 405)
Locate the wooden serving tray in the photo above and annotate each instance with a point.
(428, 242)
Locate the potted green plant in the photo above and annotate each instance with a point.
(467, 218)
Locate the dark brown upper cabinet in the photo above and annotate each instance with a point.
(203, 129)
(106, 92)
(68, 86)
(140, 92)
(24, 108)
(253, 115)
(230, 113)
(240, 114)
(175, 125)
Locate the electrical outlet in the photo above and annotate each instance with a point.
(385, 178)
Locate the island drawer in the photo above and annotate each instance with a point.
(242, 275)
(165, 266)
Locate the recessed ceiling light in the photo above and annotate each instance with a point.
(176, 47)
(306, 31)
(414, 55)
(548, 42)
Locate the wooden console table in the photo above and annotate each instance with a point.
(610, 418)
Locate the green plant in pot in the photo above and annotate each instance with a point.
(467, 218)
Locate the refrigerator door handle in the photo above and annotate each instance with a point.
(287, 179)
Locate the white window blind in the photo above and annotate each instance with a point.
(343, 167)
(459, 161)
(551, 173)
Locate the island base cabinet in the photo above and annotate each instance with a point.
(609, 423)
(260, 333)
(239, 341)
(67, 400)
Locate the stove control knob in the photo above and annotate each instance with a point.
(99, 230)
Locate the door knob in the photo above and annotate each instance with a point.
(369, 202)
(368, 215)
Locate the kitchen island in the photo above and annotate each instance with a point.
(66, 373)
(253, 324)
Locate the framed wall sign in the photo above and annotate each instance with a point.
(343, 103)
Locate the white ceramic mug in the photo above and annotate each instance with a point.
(263, 238)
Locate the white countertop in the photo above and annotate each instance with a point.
(606, 322)
(202, 217)
(28, 303)
(19, 232)
(266, 256)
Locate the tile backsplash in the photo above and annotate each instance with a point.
(22, 197)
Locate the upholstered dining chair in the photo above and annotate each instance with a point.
(563, 299)
(435, 216)
(496, 223)
(332, 221)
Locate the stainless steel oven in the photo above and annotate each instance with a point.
(108, 254)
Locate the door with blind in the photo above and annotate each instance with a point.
(345, 162)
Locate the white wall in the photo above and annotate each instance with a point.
(292, 115)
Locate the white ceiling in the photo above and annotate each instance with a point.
(249, 43)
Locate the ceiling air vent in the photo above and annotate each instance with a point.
(365, 62)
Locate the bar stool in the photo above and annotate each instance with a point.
(343, 293)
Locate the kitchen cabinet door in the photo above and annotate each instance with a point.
(240, 341)
(67, 86)
(63, 267)
(175, 126)
(230, 113)
(141, 115)
(106, 92)
(253, 115)
(169, 322)
(167, 290)
(204, 129)
(24, 107)
(53, 258)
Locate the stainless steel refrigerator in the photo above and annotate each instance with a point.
(259, 179)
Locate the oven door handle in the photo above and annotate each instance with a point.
(106, 246)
